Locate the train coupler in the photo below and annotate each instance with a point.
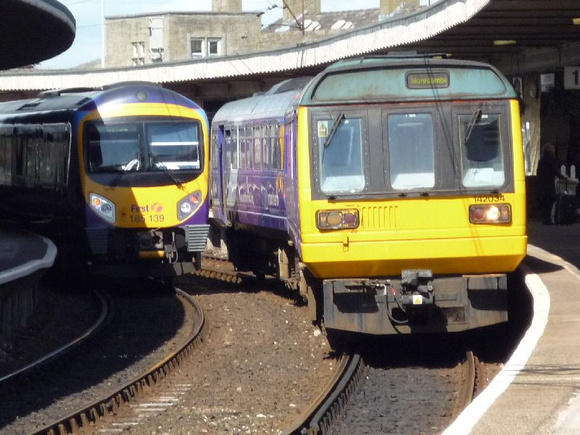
(417, 287)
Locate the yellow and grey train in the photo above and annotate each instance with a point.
(389, 190)
(117, 176)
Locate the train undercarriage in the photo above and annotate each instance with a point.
(417, 301)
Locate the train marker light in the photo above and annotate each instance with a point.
(337, 219)
(104, 208)
(490, 214)
(188, 205)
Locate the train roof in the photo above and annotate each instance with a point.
(272, 104)
(373, 79)
(406, 77)
(63, 100)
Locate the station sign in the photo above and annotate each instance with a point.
(572, 77)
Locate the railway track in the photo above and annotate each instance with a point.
(104, 305)
(333, 402)
(328, 408)
(126, 393)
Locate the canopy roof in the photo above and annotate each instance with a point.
(33, 30)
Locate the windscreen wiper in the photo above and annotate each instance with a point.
(475, 118)
(166, 170)
(133, 164)
(334, 129)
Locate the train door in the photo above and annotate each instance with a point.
(291, 183)
(218, 200)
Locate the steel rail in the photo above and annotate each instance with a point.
(325, 409)
(91, 413)
(470, 367)
(57, 353)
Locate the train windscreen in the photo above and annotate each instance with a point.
(143, 147)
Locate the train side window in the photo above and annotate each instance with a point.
(235, 144)
(276, 149)
(54, 160)
(257, 139)
(5, 156)
(215, 137)
(340, 155)
(247, 147)
(226, 148)
(482, 159)
(267, 148)
(411, 150)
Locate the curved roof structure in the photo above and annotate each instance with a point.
(382, 36)
(512, 34)
(33, 30)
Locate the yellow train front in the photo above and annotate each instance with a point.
(116, 176)
(145, 181)
(409, 194)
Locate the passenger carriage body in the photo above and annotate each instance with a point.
(401, 194)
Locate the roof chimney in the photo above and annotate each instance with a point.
(293, 9)
(389, 6)
(232, 6)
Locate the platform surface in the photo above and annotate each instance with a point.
(537, 391)
(23, 253)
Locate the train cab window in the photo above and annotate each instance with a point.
(482, 160)
(112, 148)
(340, 155)
(411, 150)
(174, 145)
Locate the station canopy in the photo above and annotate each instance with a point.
(33, 30)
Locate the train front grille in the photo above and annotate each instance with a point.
(196, 236)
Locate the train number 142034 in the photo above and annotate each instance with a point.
(490, 198)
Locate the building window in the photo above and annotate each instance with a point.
(138, 55)
(213, 47)
(197, 47)
(205, 47)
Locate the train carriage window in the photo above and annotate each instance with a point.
(340, 155)
(216, 133)
(482, 159)
(267, 148)
(5, 156)
(174, 145)
(246, 146)
(276, 148)
(56, 139)
(257, 139)
(411, 150)
(226, 149)
(235, 148)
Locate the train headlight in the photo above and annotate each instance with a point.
(490, 214)
(337, 219)
(103, 207)
(188, 205)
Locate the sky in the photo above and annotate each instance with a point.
(88, 14)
